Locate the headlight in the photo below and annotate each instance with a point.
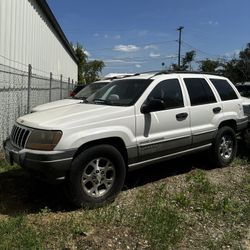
(43, 139)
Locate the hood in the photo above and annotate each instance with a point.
(75, 115)
(55, 104)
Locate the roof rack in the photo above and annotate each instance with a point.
(184, 72)
(161, 72)
(117, 76)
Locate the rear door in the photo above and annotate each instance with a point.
(205, 109)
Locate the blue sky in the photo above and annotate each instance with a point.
(132, 36)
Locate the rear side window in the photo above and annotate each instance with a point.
(199, 91)
(224, 89)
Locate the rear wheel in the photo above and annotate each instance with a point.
(96, 176)
(224, 147)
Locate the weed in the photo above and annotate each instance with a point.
(45, 210)
(200, 184)
(182, 200)
(5, 166)
(16, 234)
(225, 205)
(160, 225)
(240, 161)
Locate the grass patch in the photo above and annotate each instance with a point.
(16, 234)
(150, 216)
(160, 225)
(188, 211)
(5, 166)
(199, 184)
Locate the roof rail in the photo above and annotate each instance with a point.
(185, 72)
(117, 76)
(146, 72)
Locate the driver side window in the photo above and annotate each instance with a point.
(169, 91)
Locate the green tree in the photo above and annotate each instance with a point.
(82, 60)
(238, 68)
(243, 64)
(92, 70)
(186, 61)
(88, 71)
(208, 65)
(232, 71)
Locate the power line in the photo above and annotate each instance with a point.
(199, 50)
(142, 44)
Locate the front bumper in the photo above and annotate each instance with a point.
(47, 165)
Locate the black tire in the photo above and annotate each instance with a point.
(93, 184)
(224, 147)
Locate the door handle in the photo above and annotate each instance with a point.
(181, 116)
(216, 110)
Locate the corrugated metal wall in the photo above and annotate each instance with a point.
(26, 37)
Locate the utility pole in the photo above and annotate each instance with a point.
(179, 51)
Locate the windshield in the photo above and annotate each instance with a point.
(90, 89)
(120, 92)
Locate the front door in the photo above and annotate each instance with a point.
(166, 131)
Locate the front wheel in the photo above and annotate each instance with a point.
(96, 177)
(224, 147)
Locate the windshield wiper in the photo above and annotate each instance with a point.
(84, 100)
(101, 101)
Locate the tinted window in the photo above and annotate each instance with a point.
(224, 89)
(123, 92)
(170, 92)
(199, 91)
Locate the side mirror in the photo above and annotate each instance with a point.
(152, 106)
(113, 97)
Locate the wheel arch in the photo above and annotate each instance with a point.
(116, 142)
(229, 123)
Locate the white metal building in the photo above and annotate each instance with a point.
(30, 34)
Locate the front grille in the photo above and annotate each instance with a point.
(19, 136)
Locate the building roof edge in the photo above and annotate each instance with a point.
(50, 16)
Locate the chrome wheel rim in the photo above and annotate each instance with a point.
(226, 147)
(98, 177)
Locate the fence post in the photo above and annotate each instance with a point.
(68, 85)
(50, 85)
(29, 87)
(61, 86)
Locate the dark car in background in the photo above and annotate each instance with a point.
(244, 89)
(83, 94)
(76, 89)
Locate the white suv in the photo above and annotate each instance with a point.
(128, 124)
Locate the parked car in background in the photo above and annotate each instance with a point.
(79, 97)
(83, 94)
(244, 89)
(91, 89)
(76, 89)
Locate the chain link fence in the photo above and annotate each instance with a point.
(20, 91)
